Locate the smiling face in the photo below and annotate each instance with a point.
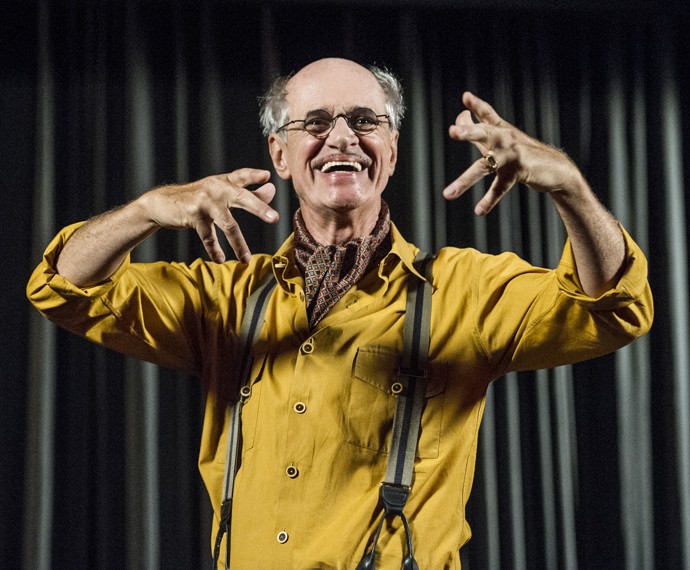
(338, 178)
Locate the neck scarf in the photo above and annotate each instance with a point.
(331, 270)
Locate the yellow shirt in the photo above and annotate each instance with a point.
(490, 315)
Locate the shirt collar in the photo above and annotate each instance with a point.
(288, 276)
(403, 250)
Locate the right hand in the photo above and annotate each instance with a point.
(207, 203)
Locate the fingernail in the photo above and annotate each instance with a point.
(271, 215)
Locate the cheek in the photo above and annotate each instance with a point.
(308, 150)
(384, 154)
(301, 152)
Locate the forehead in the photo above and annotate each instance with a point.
(334, 87)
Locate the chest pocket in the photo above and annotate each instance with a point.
(371, 405)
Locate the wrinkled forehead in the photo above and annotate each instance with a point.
(335, 89)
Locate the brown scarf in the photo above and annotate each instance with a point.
(331, 270)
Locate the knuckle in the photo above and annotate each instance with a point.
(209, 242)
(240, 176)
(237, 194)
(197, 208)
(229, 226)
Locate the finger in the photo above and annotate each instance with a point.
(465, 129)
(256, 202)
(231, 229)
(499, 188)
(207, 233)
(248, 176)
(478, 170)
(265, 193)
(481, 109)
(476, 134)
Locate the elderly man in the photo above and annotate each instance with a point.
(320, 399)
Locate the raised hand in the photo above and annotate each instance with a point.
(510, 154)
(96, 249)
(207, 203)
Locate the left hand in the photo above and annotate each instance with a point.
(518, 157)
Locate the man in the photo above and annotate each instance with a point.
(316, 425)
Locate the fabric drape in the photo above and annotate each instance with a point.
(584, 466)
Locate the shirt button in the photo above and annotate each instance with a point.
(282, 537)
(300, 407)
(307, 348)
(292, 471)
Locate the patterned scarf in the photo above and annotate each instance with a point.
(331, 270)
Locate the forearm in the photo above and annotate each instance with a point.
(596, 238)
(98, 248)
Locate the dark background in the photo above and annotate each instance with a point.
(198, 54)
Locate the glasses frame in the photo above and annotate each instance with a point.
(384, 118)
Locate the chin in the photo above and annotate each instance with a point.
(348, 203)
(351, 196)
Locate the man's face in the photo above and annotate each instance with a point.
(324, 189)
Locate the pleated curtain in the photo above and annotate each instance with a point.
(584, 466)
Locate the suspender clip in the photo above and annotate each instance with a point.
(225, 511)
(394, 498)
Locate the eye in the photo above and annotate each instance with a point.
(364, 120)
(317, 123)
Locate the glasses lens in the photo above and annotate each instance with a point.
(363, 121)
(318, 123)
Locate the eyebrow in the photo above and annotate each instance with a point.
(347, 111)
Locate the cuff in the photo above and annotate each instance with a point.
(62, 286)
(630, 286)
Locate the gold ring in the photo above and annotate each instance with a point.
(491, 162)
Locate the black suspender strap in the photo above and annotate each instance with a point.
(250, 329)
(409, 389)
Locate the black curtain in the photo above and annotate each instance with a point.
(585, 466)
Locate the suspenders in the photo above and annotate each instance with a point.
(409, 388)
(252, 323)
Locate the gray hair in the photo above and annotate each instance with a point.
(274, 109)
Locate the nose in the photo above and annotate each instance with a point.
(341, 134)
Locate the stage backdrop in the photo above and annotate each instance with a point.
(585, 466)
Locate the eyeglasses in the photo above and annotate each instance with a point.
(319, 124)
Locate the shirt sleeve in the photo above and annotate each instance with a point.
(528, 318)
(158, 312)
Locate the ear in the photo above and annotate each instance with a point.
(394, 152)
(277, 148)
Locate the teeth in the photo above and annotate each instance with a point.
(335, 163)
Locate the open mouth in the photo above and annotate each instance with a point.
(341, 166)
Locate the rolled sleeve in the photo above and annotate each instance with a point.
(46, 273)
(631, 286)
(127, 312)
(529, 317)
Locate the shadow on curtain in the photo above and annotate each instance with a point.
(585, 466)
